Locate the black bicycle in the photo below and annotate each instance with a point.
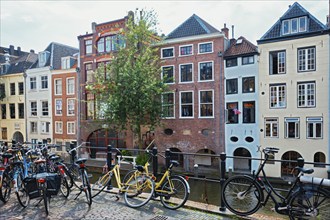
(307, 198)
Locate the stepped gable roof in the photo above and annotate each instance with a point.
(240, 47)
(191, 27)
(296, 10)
(57, 51)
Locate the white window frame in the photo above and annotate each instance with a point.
(167, 105)
(43, 79)
(296, 122)
(70, 106)
(33, 80)
(58, 87)
(34, 129)
(65, 63)
(305, 27)
(34, 110)
(272, 122)
(192, 72)
(58, 127)
(173, 73)
(305, 91)
(192, 104)
(200, 103)
(199, 71)
(58, 109)
(277, 98)
(305, 58)
(210, 42)
(187, 45)
(45, 127)
(314, 121)
(165, 48)
(44, 110)
(71, 127)
(291, 22)
(69, 90)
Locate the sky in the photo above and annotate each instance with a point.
(35, 24)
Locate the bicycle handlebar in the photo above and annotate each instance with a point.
(271, 150)
(79, 146)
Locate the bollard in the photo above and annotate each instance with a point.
(109, 161)
(155, 161)
(167, 158)
(222, 178)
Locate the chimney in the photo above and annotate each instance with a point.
(225, 30)
(93, 27)
(232, 32)
(31, 51)
(11, 49)
(19, 51)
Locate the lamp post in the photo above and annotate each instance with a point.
(25, 107)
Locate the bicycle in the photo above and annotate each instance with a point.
(173, 190)
(137, 190)
(82, 170)
(306, 199)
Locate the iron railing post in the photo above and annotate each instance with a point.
(300, 162)
(222, 179)
(155, 161)
(73, 154)
(167, 158)
(109, 163)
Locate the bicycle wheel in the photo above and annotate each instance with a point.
(139, 191)
(242, 195)
(65, 189)
(86, 187)
(310, 203)
(175, 193)
(128, 175)
(74, 171)
(69, 178)
(22, 194)
(46, 200)
(100, 184)
(5, 188)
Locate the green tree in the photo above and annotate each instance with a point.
(130, 97)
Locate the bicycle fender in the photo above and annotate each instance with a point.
(184, 180)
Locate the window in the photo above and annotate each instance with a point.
(277, 96)
(231, 62)
(247, 60)
(44, 107)
(306, 59)
(90, 107)
(12, 88)
(111, 43)
(168, 105)
(248, 85)
(306, 94)
(44, 82)
(12, 111)
(88, 46)
(89, 72)
(186, 105)
(103, 68)
(34, 109)
(58, 127)
(206, 104)
(58, 106)
(4, 133)
(167, 52)
(286, 27)
(2, 91)
(58, 86)
(186, 50)
(291, 127)
(186, 72)
(34, 127)
(271, 127)
(45, 127)
(20, 88)
(3, 111)
(302, 24)
(70, 86)
(319, 158)
(71, 128)
(100, 45)
(21, 110)
(205, 47)
(249, 110)
(231, 86)
(314, 127)
(66, 63)
(33, 83)
(294, 25)
(168, 74)
(206, 71)
(232, 113)
(277, 60)
(71, 105)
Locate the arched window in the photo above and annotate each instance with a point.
(319, 157)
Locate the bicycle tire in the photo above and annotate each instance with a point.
(177, 196)
(310, 203)
(22, 194)
(86, 187)
(236, 201)
(5, 188)
(74, 171)
(69, 178)
(46, 200)
(65, 189)
(100, 185)
(128, 175)
(139, 191)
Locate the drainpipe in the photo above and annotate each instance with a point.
(78, 91)
(221, 142)
(25, 107)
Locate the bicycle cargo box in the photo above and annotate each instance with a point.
(32, 187)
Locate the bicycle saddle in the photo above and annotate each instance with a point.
(140, 168)
(81, 160)
(54, 157)
(303, 170)
(40, 161)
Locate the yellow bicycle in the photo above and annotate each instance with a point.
(138, 189)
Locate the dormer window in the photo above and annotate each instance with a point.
(294, 25)
(43, 56)
(65, 63)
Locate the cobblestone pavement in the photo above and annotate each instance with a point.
(105, 206)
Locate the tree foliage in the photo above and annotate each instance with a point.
(130, 98)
